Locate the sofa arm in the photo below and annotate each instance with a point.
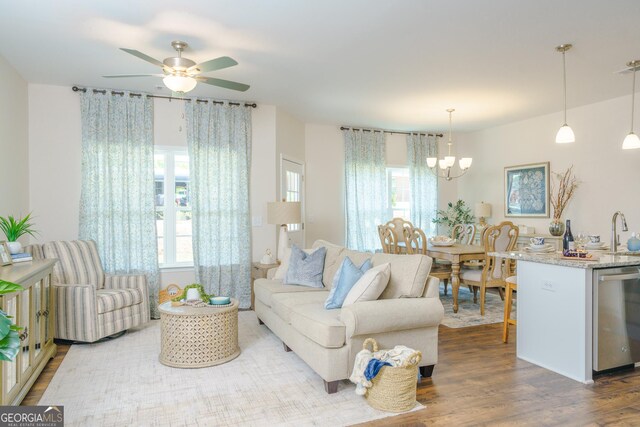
(76, 312)
(432, 288)
(389, 315)
(131, 281)
(271, 273)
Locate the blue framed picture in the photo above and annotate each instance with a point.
(526, 190)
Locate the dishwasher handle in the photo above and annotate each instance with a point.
(614, 277)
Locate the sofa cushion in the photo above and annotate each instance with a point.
(282, 303)
(322, 326)
(305, 269)
(409, 274)
(370, 286)
(348, 275)
(263, 289)
(115, 299)
(282, 269)
(333, 260)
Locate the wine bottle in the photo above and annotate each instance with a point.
(567, 240)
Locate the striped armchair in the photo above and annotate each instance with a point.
(90, 304)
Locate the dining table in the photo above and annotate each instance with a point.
(456, 254)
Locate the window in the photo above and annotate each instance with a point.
(399, 192)
(173, 213)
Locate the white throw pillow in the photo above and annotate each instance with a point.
(284, 263)
(370, 286)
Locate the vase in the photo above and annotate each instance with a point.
(193, 294)
(14, 247)
(556, 227)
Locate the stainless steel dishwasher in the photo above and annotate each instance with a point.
(616, 318)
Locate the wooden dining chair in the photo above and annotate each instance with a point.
(397, 225)
(388, 239)
(463, 233)
(498, 238)
(511, 285)
(416, 243)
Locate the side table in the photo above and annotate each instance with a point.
(259, 271)
(195, 337)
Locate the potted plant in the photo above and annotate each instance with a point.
(457, 213)
(14, 228)
(9, 338)
(561, 194)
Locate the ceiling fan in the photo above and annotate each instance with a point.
(182, 74)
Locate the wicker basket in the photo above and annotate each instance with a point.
(394, 388)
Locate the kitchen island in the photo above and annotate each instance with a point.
(557, 311)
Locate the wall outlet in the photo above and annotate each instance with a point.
(256, 221)
(548, 286)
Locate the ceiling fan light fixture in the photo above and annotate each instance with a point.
(565, 135)
(180, 83)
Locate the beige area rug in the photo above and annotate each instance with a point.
(122, 383)
(469, 312)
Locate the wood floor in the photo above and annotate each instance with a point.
(479, 381)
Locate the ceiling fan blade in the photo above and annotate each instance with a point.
(223, 83)
(143, 56)
(213, 64)
(133, 75)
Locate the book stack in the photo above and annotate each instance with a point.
(21, 257)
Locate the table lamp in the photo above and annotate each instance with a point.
(283, 213)
(483, 211)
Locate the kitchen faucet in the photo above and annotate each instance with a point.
(615, 239)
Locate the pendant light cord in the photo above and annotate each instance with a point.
(564, 75)
(633, 95)
(449, 143)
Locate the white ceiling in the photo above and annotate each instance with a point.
(378, 63)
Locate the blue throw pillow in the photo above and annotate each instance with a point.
(347, 276)
(305, 269)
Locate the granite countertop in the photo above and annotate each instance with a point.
(601, 259)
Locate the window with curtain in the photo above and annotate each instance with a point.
(399, 196)
(219, 141)
(423, 184)
(365, 188)
(117, 208)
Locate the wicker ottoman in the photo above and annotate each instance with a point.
(198, 337)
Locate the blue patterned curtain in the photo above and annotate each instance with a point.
(117, 199)
(219, 139)
(365, 188)
(424, 185)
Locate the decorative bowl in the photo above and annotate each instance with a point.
(219, 300)
(441, 241)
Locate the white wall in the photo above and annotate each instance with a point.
(14, 150)
(55, 164)
(325, 180)
(609, 176)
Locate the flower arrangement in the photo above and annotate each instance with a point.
(457, 213)
(566, 188)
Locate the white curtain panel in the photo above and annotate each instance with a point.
(219, 138)
(365, 188)
(117, 199)
(424, 185)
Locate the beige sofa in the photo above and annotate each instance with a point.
(408, 313)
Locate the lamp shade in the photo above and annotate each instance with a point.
(179, 83)
(565, 135)
(284, 213)
(483, 210)
(631, 142)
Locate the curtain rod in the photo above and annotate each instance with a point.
(393, 131)
(113, 92)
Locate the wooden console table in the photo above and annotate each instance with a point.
(33, 310)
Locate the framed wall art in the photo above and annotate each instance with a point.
(526, 190)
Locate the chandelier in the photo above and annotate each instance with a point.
(448, 161)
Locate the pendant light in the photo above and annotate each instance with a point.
(448, 161)
(632, 141)
(565, 133)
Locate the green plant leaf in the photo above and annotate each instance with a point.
(9, 346)
(8, 287)
(5, 326)
(13, 228)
